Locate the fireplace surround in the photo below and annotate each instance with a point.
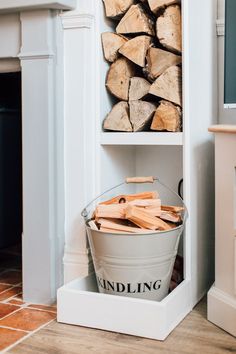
(31, 40)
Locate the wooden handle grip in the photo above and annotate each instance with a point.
(149, 179)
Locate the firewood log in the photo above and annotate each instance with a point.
(115, 8)
(169, 85)
(118, 118)
(168, 28)
(136, 49)
(118, 78)
(139, 87)
(155, 5)
(111, 43)
(159, 60)
(144, 220)
(141, 113)
(136, 21)
(167, 117)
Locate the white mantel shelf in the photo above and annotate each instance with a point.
(144, 138)
(7, 6)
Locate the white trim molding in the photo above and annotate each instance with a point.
(35, 55)
(77, 20)
(220, 27)
(7, 6)
(221, 310)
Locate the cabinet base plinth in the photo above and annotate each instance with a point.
(222, 310)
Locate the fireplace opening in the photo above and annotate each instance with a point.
(10, 177)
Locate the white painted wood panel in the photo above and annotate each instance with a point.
(21, 5)
(10, 35)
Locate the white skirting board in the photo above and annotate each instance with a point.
(79, 303)
(221, 310)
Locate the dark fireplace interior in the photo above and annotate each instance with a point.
(10, 170)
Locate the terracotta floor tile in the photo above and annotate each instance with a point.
(9, 293)
(6, 309)
(12, 277)
(9, 337)
(43, 307)
(27, 319)
(4, 287)
(16, 301)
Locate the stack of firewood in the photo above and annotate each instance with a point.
(135, 213)
(145, 73)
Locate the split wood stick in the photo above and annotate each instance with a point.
(144, 220)
(114, 225)
(115, 211)
(173, 208)
(92, 225)
(129, 197)
(155, 5)
(169, 85)
(151, 203)
(113, 231)
(141, 114)
(139, 87)
(136, 21)
(118, 78)
(170, 216)
(167, 117)
(111, 43)
(115, 8)
(136, 49)
(168, 28)
(158, 60)
(118, 118)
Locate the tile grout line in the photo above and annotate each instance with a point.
(25, 337)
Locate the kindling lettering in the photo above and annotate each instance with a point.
(128, 288)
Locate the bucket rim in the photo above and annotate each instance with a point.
(152, 232)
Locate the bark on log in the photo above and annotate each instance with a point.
(136, 21)
(159, 60)
(139, 87)
(118, 78)
(136, 49)
(169, 85)
(155, 5)
(115, 8)
(111, 43)
(141, 113)
(168, 28)
(118, 118)
(167, 117)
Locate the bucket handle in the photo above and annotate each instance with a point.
(149, 179)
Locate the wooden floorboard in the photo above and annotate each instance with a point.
(194, 335)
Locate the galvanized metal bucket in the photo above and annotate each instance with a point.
(137, 265)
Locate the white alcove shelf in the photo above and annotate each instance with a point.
(143, 138)
(170, 156)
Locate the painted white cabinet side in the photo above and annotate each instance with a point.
(200, 111)
(81, 147)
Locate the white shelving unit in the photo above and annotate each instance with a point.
(145, 138)
(170, 156)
